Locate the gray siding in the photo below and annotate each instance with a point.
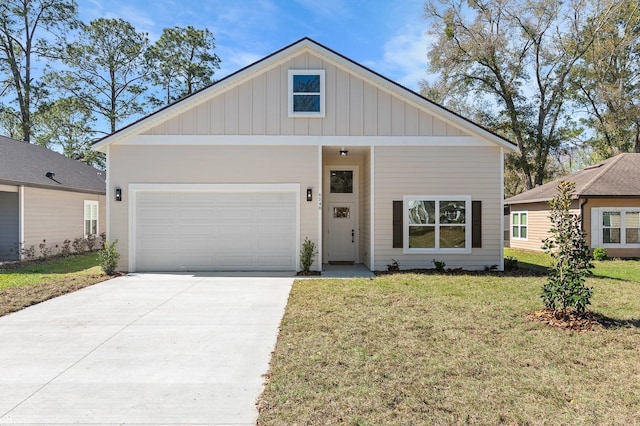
(9, 225)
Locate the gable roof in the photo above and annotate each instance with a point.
(305, 44)
(615, 177)
(26, 164)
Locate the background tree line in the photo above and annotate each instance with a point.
(91, 78)
(559, 78)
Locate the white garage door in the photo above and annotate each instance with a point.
(215, 231)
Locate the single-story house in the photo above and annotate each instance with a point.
(46, 196)
(607, 195)
(304, 143)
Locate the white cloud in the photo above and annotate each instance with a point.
(404, 57)
(235, 59)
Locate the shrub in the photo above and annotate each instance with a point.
(103, 238)
(91, 241)
(28, 253)
(439, 265)
(65, 250)
(307, 254)
(600, 253)
(394, 267)
(510, 263)
(571, 257)
(45, 251)
(78, 245)
(108, 257)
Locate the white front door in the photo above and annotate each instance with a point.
(340, 214)
(341, 232)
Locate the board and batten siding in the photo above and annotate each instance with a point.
(259, 106)
(9, 225)
(473, 171)
(603, 203)
(538, 224)
(211, 165)
(56, 216)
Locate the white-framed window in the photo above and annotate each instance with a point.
(437, 223)
(90, 217)
(615, 227)
(519, 225)
(306, 93)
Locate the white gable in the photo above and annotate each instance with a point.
(254, 101)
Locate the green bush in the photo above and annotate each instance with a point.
(108, 257)
(510, 263)
(439, 265)
(600, 253)
(571, 256)
(307, 254)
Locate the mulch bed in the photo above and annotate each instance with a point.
(516, 272)
(574, 321)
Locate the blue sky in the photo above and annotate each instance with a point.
(387, 36)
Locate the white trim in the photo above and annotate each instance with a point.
(437, 198)
(597, 227)
(290, 94)
(372, 250)
(134, 188)
(21, 240)
(9, 188)
(501, 261)
(108, 195)
(319, 196)
(292, 140)
(519, 213)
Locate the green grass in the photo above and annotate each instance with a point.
(449, 349)
(628, 270)
(57, 268)
(33, 282)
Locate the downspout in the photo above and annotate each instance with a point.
(582, 204)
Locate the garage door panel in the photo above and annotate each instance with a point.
(194, 230)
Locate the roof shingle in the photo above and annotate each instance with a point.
(27, 164)
(615, 177)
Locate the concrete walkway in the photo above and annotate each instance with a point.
(144, 349)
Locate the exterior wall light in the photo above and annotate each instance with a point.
(344, 152)
(118, 194)
(309, 194)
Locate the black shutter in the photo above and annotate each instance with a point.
(397, 224)
(476, 224)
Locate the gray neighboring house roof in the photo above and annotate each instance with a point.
(617, 176)
(27, 164)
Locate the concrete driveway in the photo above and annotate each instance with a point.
(144, 349)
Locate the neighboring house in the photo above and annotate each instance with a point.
(304, 143)
(607, 196)
(46, 196)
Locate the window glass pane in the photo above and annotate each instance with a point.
(611, 235)
(306, 103)
(341, 182)
(632, 235)
(422, 237)
(94, 227)
(452, 237)
(422, 212)
(306, 83)
(515, 218)
(516, 232)
(611, 219)
(452, 212)
(87, 227)
(632, 219)
(523, 218)
(341, 212)
(523, 232)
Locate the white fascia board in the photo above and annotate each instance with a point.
(275, 140)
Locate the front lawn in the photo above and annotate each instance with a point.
(449, 349)
(36, 281)
(628, 270)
